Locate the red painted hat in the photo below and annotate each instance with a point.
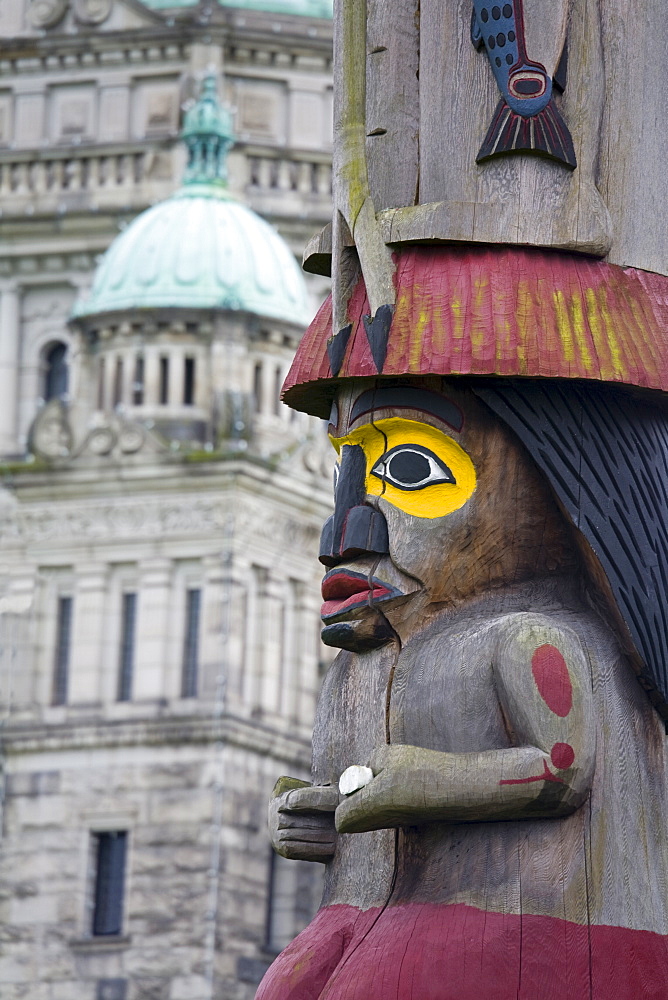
(494, 311)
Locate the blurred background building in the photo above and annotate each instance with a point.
(159, 507)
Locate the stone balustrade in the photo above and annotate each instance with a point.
(132, 177)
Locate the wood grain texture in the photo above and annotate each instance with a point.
(519, 761)
(317, 256)
(615, 111)
(521, 198)
(392, 101)
(353, 205)
(606, 456)
(350, 721)
(633, 177)
(500, 311)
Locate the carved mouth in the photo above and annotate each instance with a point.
(344, 590)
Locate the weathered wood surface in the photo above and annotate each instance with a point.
(392, 101)
(516, 199)
(613, 103)
(505, 311)
(633, 178)
(519, 761)
(354, 209)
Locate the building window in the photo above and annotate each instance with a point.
(138, 383)
(55, 372)
(189, 382)
(62, 657)
(118, 382)
(109, 851)
(257, 387)
(191, 644)
(164, 380)
(278, 382)
(127, 651)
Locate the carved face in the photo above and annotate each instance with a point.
(435, 501)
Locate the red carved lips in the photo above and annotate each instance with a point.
(343, 590)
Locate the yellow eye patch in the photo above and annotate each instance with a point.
(413, 466)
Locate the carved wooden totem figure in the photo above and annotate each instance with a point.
(489, 792)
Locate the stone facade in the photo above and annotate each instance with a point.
(159, 647)
(89, 119)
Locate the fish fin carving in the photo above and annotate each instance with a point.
(544, 133)
(561, 73)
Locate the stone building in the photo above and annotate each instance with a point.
(160, 508)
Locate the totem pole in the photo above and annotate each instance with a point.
(489, 793)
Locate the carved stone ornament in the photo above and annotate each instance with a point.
(92, 11)
(51, 437)
(47, 13)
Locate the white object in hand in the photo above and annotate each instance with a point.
(353, 778)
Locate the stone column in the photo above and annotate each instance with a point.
(154, 637)
(202, 379)
(88, 634)
(288, 692)
(151, 376)
(251, 678)
(309, 652)
(268, 385)
(19, 686)
(272, 667)
(214, 646)
(9, 368)
(176, 369)
(129, 367)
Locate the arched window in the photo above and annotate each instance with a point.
(55, 371)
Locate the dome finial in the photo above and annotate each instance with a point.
(207, 132)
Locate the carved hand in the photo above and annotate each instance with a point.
(398, 794)
(301, 820)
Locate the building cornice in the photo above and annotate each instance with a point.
(30, 737)
(251, 34)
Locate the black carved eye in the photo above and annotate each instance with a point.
(411, 467)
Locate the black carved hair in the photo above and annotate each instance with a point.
(604, 451)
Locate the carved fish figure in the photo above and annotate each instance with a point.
(526, 118)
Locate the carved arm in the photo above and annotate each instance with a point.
(541, 678)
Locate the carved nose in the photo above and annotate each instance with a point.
(354, 528)
(363, 531)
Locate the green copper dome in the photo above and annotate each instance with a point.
(302, 8)
(200, 249)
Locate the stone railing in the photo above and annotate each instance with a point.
(281, 173)
(52, 181)
(128, 178)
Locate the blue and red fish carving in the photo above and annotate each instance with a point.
(526, 118)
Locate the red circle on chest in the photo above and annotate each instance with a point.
(552, 680)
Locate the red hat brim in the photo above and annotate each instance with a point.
(498, 311)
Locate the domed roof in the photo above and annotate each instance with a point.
(304, 8)
(200, 249)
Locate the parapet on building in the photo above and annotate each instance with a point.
(160, 509)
